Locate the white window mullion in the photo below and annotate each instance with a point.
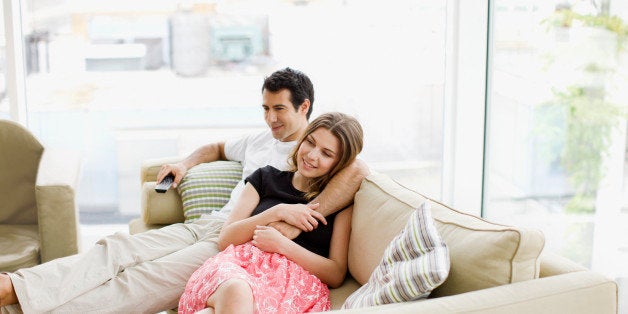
(15, 73)
(465, 104)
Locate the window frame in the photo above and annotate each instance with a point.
(15, 72)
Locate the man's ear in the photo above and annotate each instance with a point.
(305, 106)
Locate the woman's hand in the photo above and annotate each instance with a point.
(268, 239)
(302, 216)
(289, 231)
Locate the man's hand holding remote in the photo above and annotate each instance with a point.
(178, 170)
(165, 184)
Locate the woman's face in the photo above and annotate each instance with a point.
(318, 154)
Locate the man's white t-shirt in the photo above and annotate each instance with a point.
(255, 151)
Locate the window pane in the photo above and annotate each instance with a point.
(557, 126)
(124, 81)
(4, 99)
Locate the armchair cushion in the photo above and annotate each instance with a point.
(414, 263)
(19, 162)
(20, 247)
(207, 187)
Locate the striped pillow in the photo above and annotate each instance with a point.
(207, 187)
(414, 263)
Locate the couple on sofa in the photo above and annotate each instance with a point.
(149, 272)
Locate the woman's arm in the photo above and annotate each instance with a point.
(337, 195)
(240, 225)
(332, 270)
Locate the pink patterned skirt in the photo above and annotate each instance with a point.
(279, 285)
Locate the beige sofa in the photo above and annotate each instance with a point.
(494, 268)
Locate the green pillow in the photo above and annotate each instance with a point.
(207, 187)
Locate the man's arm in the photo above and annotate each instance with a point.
(341, 189)
(338, 194)
(206, 153)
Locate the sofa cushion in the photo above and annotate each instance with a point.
(483, 254)
(337, 296)
(19, 163)
(207, 187)
(414, 263)
(19, 245)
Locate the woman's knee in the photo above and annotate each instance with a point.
(232, 290)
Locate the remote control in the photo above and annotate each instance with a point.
(165, 184)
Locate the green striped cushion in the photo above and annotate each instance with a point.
(207, 187)
(414, 263)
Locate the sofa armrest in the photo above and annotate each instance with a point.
(554, 264)
(57, 212)
(157, 209)
(576, 292)
(57, 220)
(150, 167)
(160, 208)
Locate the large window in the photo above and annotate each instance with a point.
(4, 100)
(123, 81)
(556, 157)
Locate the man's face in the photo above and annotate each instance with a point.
(286, 123)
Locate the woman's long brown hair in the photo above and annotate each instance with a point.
(347, 130)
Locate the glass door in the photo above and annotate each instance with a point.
(556, 128)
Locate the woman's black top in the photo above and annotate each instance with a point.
(275, 187)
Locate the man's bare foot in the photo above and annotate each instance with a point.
(7, 293)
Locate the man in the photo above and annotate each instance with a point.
(148, 272)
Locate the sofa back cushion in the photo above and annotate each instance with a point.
(482, 254)
(20, 153)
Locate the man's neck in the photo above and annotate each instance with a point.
(292, 138)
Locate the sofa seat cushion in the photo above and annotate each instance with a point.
(19, 245)
(482, 254)
(339, 295)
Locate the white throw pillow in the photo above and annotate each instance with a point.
(414, 263)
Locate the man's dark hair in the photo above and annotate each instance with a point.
(296, 82)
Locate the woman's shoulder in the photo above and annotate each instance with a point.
(273, 171)
(268, 172)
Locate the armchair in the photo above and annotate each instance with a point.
(38, 214)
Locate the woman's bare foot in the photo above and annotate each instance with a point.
(7, 293)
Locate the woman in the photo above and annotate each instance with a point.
(262, 271)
